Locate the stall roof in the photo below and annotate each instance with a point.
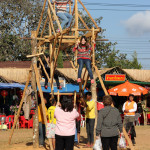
(70, 88)
(11, 85)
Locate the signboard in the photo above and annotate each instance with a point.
(115, 77)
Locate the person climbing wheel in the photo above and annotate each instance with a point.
(84, 49)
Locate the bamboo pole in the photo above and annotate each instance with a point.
(58, 98)
(42, 101)
(55, 16)
(45, 70)
(83, 22)
(84, 86)
(93, 48)
(75, 98)
(19, 109)
(69, 7)
(50, 20)
(100, 79)
(38, 28)
(44, 26)
(54, 67)
(88, 14)
(33, 84)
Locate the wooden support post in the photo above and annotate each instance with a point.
(85, 82)
(44, 26)
(76, 28)
(50, 20)
(20, 106)
(88, 14)
(55, 16)
(101, 81)
(93, 48)
(58, 98)
(54, 67)
(70, 6)
(75, 97)
(38, 28)
(45, 71)
(83, 22)
(33, 84)
(42, 100)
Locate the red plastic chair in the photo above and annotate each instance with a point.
(30, 123)
(8, 122)
(148, 118)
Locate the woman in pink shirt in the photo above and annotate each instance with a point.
(65, 124)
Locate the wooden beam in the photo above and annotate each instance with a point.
(35, 55)
(95, 30)
(85, 82)
(42, 100)
(85, 25)
(64, 37)
(58, 98)
(69, 7)
(51, 21)
(102, 40)
(100, 79)
(33, 84)
(45, 70)
(65, 93)
(75, 98)
(38, 28)
(88, 14)
(55, 16)
(20, 106)
(44, 26)
(93, 48)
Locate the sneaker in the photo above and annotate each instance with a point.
(58, 30)
(92, 81)
(59, 87)
(79, 80)
(46, 86)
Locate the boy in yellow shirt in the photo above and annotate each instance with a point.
(90, 119)
(42, 124)
(51, 111)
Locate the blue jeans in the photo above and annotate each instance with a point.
(87, 62)
(41, 133)
(66, 19)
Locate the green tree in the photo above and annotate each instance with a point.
(60, 60)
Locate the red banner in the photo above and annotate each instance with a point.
(115, 77)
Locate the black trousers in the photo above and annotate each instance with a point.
(55, 77)
(90, 130)
(109, 143)
(64, 142)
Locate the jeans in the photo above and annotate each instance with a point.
(87, 62)
(64, 142)
(109, 143)
(41, 133)
(90, 130)
(66, 19)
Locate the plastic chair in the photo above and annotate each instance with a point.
(23, 121)
(148, 118)
(8, 122)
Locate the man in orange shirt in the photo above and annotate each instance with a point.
(129, 109)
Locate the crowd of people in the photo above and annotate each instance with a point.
(65, 117)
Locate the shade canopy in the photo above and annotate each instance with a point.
(11, 85)
(127, 88)
(69, 88)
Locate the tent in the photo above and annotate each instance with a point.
(11, 85)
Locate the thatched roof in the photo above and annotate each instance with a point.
(15, 74)
(20, 75)
(139, 75)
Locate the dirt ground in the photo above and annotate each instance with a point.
(22, 139)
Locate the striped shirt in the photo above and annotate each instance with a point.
(61, 6)
(83, 53)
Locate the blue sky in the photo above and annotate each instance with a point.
(127, 23)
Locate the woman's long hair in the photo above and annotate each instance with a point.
(86, 44)
(66, 104)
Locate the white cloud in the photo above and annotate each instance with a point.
(138, 24)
